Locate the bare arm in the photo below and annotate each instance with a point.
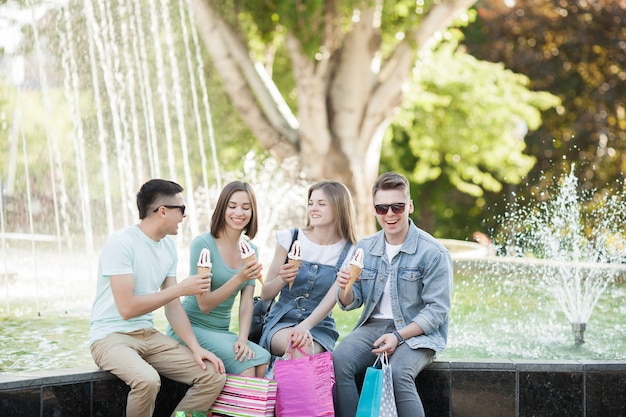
(323, 308)
(343, 276)
(207, 301)
(178, 319)
(246, 305)
(278, 275)
(300, 334)
(131, 305)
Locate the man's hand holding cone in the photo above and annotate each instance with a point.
(204, 262)
(355, 267)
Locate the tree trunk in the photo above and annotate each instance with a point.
(346, 96)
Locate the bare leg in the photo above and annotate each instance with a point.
(280, 343)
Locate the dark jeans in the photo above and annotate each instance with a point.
(354, 354)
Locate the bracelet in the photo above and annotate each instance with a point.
(400, 339)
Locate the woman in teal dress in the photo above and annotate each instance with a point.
(234, 219)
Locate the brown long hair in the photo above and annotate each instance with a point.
(340, 200)
(218, 220)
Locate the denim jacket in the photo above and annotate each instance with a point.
(421, 285)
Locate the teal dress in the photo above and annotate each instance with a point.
(212, 329)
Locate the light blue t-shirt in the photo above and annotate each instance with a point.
(130, 251)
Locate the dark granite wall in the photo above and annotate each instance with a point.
(459, 388)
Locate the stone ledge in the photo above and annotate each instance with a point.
(459, 387)
(18, 380)
(34, 379)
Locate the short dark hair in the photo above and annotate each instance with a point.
(218, 220)
(392, 181)
(151, 191)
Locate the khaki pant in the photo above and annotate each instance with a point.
(139, 357)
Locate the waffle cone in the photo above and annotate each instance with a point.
(253, 258)
(250, 258)
(297, 263)
(204, 270)
(355, 271)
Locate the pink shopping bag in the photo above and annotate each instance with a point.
(306, 386)
(244, 396)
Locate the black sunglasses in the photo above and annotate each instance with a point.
(182, 208)
(382, 209)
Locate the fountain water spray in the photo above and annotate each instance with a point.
(575, 245)
(100, 96)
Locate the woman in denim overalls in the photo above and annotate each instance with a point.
(325, 243)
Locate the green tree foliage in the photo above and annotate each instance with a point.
(460, 135)
(340, 65)
(576, 50)
(320, 80)
(342, 76)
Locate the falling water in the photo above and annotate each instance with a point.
(101, 90)
(72, 93)
(554, 276)
(574, 244)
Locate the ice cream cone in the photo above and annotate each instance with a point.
(204, 270)
(204, 262)
(252, 258)
(355, 271)
(297, 263)
(248, 255)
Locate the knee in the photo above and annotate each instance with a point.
(210, 379)
(402, 377)
(340, 355)
(341, 364)
(148, 385)
(221, 379)
(337, 361)
(264, 355)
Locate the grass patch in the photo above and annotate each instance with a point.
(31, 342)
(491, 317)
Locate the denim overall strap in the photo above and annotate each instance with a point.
(294, 237)
(344, 253)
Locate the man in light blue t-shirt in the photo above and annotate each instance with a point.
(136, 276)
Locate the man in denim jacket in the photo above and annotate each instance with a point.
(405, 289)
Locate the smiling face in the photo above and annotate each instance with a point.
(394, 225)
(238, 211)
(170, 212)
(235, 196)
(320, 210)
(174, 214)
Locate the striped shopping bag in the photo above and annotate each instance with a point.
(244, 396)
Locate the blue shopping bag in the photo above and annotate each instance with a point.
(377, 397)
(371, 392)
